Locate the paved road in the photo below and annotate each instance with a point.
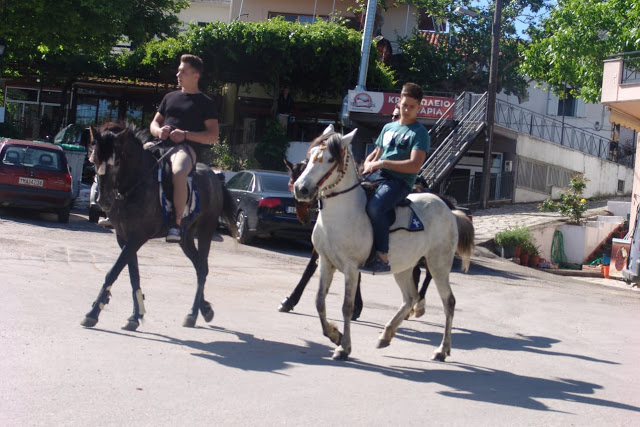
(529, 348)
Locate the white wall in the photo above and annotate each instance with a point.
(603, 175)
(206, 11)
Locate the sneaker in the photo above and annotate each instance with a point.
(104, 222)
(376, 267)
(173, 236)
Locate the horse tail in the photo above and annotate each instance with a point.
(229, 211)
(466, 235)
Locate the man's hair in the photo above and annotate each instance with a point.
(412, 90)
(194, 61)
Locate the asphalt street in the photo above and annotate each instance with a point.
(529, 348)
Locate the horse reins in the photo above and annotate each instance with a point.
(120, 196)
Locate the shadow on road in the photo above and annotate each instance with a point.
(248, 353)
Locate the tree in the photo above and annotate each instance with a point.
(319, 60)
(71, 36)
(568, 50)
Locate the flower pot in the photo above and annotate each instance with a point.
(524, 259)
(534, 260)
(508, 252)
(605, 271)
(518, 251)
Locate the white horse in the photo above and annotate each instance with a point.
(343, 237)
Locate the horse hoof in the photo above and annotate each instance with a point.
(285, 306)
(419, 312)
(340, 354)
(383, 343)
(440, 357)
(189, 322)
(89, 322)
(208, 316)
(356, 314)
(131, 325)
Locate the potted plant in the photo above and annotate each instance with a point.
(524, 253)
(510, 241)
(534, 254)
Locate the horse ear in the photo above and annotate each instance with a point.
(346, 140)
(94, 136)
(328, 130)
(288, 164)
(93, 133)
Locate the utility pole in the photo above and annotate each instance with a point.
(491, 105)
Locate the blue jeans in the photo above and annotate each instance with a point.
(390, 192)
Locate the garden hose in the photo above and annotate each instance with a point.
(557, 249)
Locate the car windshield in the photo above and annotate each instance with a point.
(275, 183)
(32, 157)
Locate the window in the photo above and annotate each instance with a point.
(620, 186)
(541, 177)
(430, 23)
(567, 107)
(303, 19)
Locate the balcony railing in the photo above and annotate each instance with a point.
(544, 127)
(630, 66)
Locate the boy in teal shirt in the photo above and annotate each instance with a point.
(401, 149)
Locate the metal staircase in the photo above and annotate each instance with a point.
(452, 137)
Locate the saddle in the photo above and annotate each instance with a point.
(165, 186)
(403, 217)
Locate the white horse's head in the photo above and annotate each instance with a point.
(325, 163)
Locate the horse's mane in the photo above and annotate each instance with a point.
(333, 141)
(140, 135)
(109, 131)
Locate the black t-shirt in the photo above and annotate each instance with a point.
(188, 111)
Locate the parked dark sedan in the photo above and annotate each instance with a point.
(266, 206)
(35, 175)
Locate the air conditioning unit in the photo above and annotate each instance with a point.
(508, 165)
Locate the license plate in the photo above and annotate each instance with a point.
(31, 181)
(291, 209)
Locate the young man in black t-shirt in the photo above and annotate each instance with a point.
(189, 119)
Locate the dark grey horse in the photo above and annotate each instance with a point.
(128, 185)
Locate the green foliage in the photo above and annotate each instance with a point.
(221, 156)
(574, 40)
(571, 203)
(529, 247)
(318, 60)
(460, 61)
(73, 36)
(272, 147)
(514, 236)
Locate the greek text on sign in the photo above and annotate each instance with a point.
(384, 103)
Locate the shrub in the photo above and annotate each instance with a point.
(571, 203)
(516, 236)
(221, 156)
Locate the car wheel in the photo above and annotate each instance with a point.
(244, 237)
(94, 213)
(63, 215)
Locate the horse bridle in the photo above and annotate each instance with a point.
(346, 155)
(120, 196)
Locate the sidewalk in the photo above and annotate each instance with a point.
(489, 222)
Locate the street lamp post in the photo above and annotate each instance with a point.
(491, 105)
